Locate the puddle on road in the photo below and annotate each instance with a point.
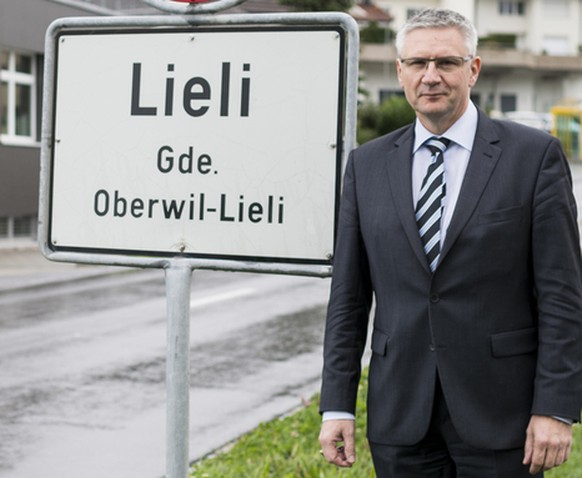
(152, 372)
(224, 362)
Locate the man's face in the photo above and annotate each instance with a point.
(438, 95)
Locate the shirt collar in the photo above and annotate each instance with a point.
(462, 132)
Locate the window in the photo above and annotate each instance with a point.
(555, 45)
(508, 102)
(24, 226)
(18, 227)
(556, 8)
(3, 227)
(476, 98)
(508, 7)
(17, 97)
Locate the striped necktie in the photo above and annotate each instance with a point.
(430, 204)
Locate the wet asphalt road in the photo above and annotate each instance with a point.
(82, 376)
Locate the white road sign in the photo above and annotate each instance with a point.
(211, 142)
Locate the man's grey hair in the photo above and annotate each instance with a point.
(439, 18)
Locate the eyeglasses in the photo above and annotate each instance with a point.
(442, 63)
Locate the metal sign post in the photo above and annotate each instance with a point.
(195, 141)
(178, 278)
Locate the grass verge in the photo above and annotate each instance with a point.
(288, 448)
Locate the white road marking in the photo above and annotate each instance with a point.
(233, 294)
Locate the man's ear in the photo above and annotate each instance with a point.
(475, 70)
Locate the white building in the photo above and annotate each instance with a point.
(531, 51)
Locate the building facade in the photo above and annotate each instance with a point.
(530, 51)
(23, 24)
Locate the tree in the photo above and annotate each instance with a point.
(394, 113)
(368, 118)
(376, 120)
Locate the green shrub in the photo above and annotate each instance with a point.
(395, 112)
(374, 120)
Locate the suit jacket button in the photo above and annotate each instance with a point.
(431, 347)
(434, 298)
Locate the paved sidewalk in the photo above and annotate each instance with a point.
(25, 267)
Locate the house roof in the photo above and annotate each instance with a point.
(260, 6)
(366, 11)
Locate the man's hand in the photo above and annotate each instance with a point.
(334, 432)
(548, 443)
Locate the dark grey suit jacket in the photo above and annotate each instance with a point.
(501, 317)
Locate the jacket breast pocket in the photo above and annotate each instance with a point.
(501, 215)
(516, 342)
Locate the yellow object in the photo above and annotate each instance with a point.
(567, 121)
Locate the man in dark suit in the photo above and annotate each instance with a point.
(476, 367)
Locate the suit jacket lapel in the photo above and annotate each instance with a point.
(483, 160)
(399, 168)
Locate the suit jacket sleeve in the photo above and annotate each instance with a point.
(349, 306)
(557, 268)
